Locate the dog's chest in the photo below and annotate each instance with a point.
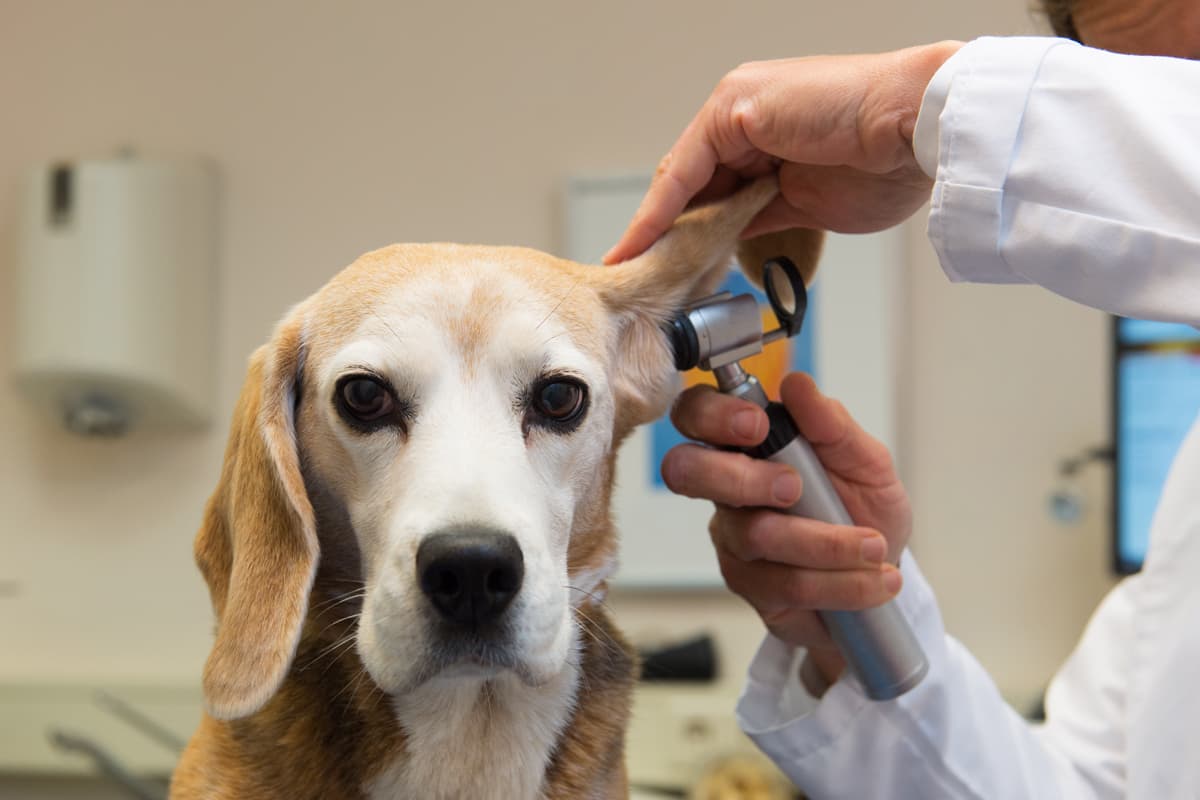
(474, 739)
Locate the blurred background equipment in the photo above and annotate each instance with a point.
(742, 777)
(1156, 391)
(1068, 503)
(693, 660)
(115, 266)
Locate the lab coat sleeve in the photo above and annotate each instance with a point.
(953, 736)
(1069, 167)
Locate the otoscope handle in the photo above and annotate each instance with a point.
(878, 644)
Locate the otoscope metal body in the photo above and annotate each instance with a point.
(715, 334)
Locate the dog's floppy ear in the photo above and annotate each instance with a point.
(687, 263)
(257, 546)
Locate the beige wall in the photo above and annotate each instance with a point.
(346, 126)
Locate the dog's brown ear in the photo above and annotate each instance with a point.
(687, 263)
(801, 245)
(257, 546)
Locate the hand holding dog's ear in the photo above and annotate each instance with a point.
(688, 263)
(837, 130)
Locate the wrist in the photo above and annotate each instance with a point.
(917, 68)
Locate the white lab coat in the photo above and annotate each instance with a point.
(1078, 170)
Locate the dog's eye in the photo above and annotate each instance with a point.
(365, 399)
(560, 400)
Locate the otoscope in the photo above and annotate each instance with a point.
(715, 333)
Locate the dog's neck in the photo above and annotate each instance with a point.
(331, 733)
(496, 735)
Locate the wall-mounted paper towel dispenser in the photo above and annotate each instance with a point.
(115, 293)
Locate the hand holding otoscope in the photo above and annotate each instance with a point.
(715, 334)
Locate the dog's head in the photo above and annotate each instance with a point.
(437, 427)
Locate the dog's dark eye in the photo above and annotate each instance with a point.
(559, 401)
(365, 399)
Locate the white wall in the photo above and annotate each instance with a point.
(1004, 383)
(347, 126)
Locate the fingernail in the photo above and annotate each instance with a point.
(745, 423)
(892, 580)
(672, 472)
(607, 260)
(874, 548)
(786, 488)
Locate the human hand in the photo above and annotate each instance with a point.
(837, 129)
(786, 566)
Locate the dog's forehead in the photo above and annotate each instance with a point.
(477, 298)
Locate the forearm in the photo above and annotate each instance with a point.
(1071, 168)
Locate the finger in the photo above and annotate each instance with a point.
(704, 414)
(842, 199)
(762, 535)
(780, 215)
(730, 479)
(840, 442)
(775, 589)
(724, 182)
(683, 171)
(716, 136)
(800, 627)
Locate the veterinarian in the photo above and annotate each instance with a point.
(1049, 163)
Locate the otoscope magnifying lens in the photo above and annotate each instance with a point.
(785, 289)
(780, 288)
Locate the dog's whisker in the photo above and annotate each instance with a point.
(339, 646)
(335, 601)
(353, 593)
(598, 634)
(552, 338)
(554, 310)
(375, 697)
(358, 682)
(586, 629)
(313, 661)
(569, 329)
(359, 591)
(342, 598)
(346, 686)
(596, 598)
(345, 646)
(597, 631)
(339, 600)
(353, 686)
(385, 324)
(346, 618)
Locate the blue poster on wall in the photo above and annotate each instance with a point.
(769, 366)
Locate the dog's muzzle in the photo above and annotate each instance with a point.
(470, 575)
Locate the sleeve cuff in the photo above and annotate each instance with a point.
(967, 131)
(925, 134)
(787, 722)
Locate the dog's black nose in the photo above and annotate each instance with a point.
(470, 575)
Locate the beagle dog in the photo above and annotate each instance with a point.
(409, 544)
